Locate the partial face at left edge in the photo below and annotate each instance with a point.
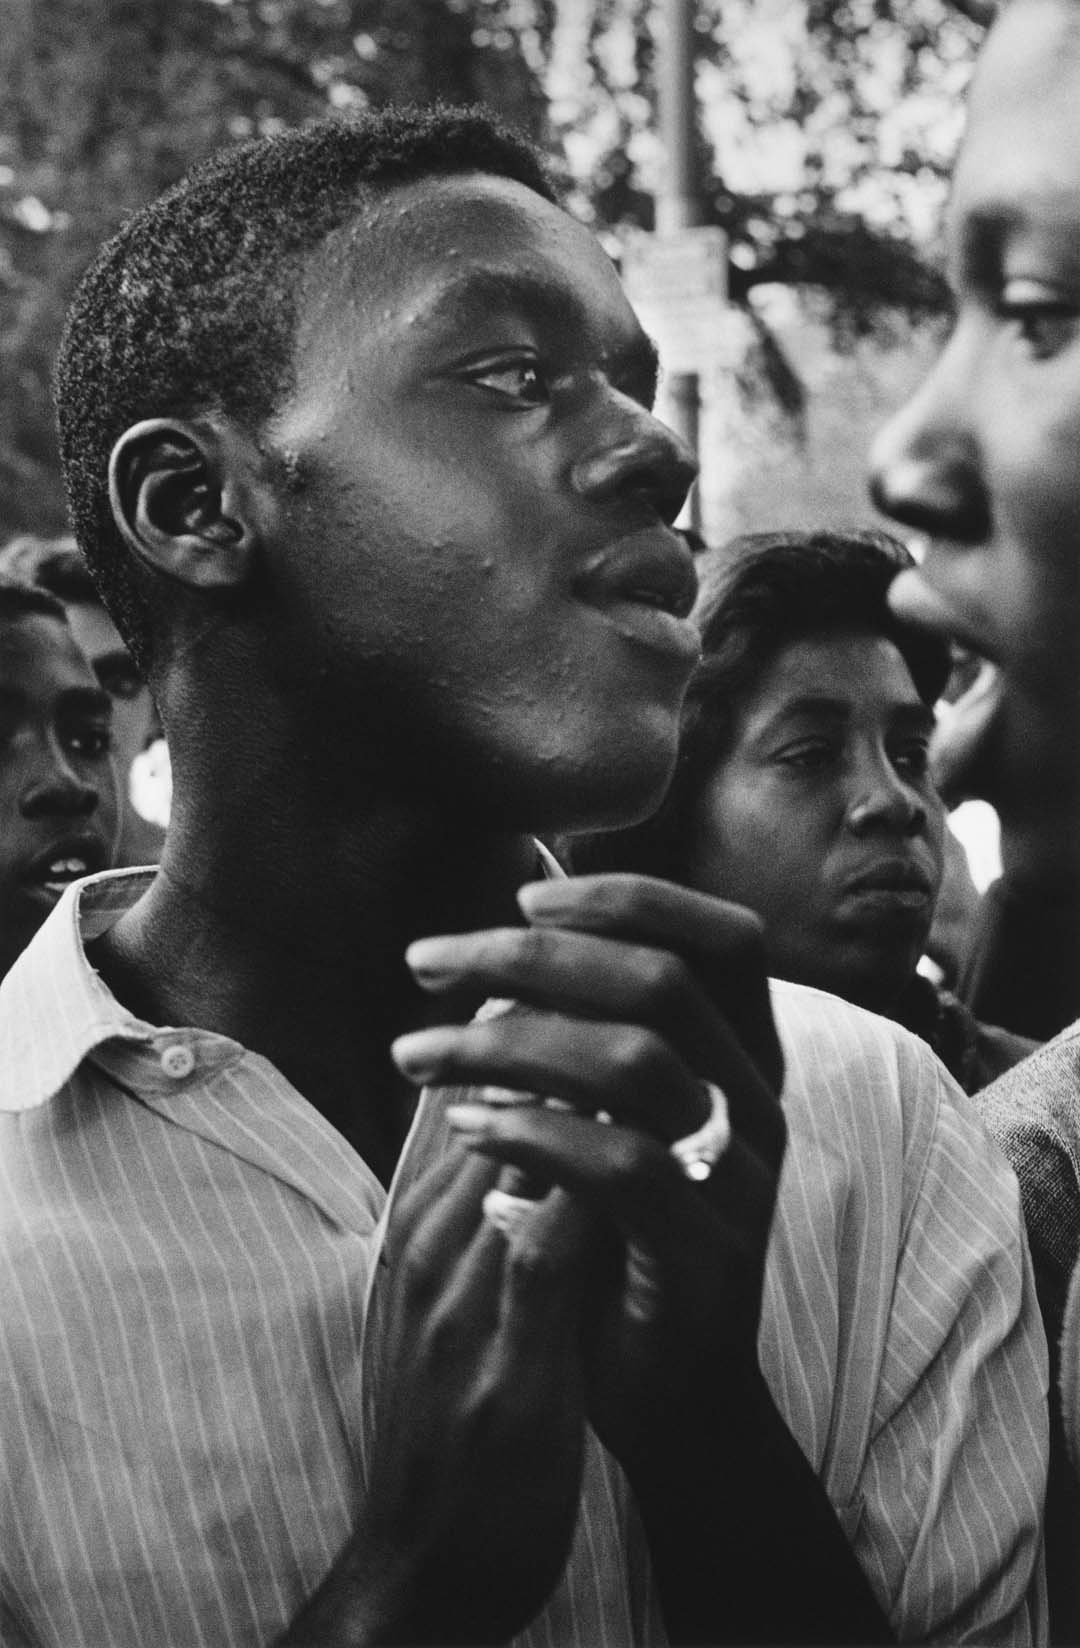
(477, 588)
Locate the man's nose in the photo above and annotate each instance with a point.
(632, 454)
(925, 469)
(55, 789)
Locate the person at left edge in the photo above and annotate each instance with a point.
(59, 808)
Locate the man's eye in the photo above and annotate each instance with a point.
(120, 680)
(517, 380)
(89, 741)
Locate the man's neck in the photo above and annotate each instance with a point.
(296, 950)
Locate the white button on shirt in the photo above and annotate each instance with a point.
(178, 1060)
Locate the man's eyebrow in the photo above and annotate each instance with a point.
(637, 361)
(115, 658)
(80, 700)
(86, 701)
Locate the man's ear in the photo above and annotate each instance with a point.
(181, 505)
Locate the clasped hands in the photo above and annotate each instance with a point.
(630, 1298)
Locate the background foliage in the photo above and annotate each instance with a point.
(827, 129)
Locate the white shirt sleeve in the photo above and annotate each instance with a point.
(902, 1337)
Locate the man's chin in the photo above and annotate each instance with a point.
(875, 978)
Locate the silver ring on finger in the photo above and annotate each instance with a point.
(698, 1153)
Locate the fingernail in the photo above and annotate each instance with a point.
(468, 1118)
(539, 898)
(419, 1053)
(428, 958)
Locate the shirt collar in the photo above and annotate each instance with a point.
(54, 1008)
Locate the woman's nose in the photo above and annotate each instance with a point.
(925, 469)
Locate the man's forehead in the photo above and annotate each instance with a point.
(36, 644)
(441, 240)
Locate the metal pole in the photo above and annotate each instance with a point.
(678, 204)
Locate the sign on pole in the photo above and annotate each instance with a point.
(677, 283)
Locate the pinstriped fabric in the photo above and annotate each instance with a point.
(901, 1334)
(901, 1338)
(184, 1260)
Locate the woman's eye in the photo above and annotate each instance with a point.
(517, 380)
(1043, 322)
(807, 757)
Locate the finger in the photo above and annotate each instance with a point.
(551, 966)
(713, 1236)
(721, 941)
(547, 1247)
(664, 1096)
(577, 973)
(436, 1217)
(523, 1284)
(625, 1069)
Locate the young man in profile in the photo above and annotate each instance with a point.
(357, 434)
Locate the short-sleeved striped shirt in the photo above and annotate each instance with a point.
(185, 1252)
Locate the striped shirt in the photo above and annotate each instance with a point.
(900, 1336)
(186, 1247)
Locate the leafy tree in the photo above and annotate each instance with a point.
(106, 102)
(852, 106)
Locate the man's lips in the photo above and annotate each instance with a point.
(892, 876)
(645, 583)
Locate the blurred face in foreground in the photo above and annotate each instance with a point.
(985, 459)
(58, 790)
(822, 817)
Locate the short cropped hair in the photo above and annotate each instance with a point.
(192, 305)
(51, 563)
(779, 587)
(19, 598)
